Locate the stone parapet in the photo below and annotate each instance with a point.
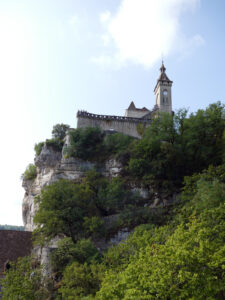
(85, 114)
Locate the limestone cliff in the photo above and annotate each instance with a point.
(51, 166)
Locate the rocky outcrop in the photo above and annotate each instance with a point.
(52, 165)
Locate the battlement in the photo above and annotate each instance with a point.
(86, 114)
(125, 125)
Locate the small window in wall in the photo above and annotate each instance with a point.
(165, 96)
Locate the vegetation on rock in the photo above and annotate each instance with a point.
(94, 145)
(23, 281)
(56, 142)
(30, 172)
(176, 252)
(38, 147)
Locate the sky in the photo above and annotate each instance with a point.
(59, 56)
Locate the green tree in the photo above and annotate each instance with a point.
(22, 281)
(184, 260)
(68, 252)
(81, 281)
(94, 226)
(204, 137)
(177, 146)
(86, 143)
(62, 207)
(59, 131)
(117, 143)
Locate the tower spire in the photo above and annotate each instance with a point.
(163, 91)
(162, 69)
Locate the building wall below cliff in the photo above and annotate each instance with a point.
(13, 244)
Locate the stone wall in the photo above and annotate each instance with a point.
(125, 125)
(13, 244)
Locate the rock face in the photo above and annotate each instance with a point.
(51, 166)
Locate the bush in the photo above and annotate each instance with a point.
(59, 131)
(56, 144)
(68, 252)
(80, 281)
(117, 143)
(38, 147)
(22, 281)
(86, 143)
(62, 207)
(30, 172)
(94, 226)
(114, 197)
(177, 146)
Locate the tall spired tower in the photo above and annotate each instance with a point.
(163, 92)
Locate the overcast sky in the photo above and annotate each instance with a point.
(58, 56)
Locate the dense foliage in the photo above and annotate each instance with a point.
(75, 209)
(94, 145)
(174, 253)
(182, 261)
(68, 252)
(178, 146)
(56, 142)
(30, 172)
(173, 146)
(23, 281)
(59, 131)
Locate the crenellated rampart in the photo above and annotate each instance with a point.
(125, 125)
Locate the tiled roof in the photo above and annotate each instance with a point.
(13, 244)
(133, 107)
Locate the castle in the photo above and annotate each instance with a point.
(135, 118)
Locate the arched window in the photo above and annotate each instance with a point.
(165, 96)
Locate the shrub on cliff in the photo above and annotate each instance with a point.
(30, 172)
(23, 281)
(59, 131)
(38, 147)
(86, 143)
(62, 207)
(57, 140)
(117, 143)
(184, 260)
(94, 145)
(81, 281)
(55, 144)
(177, 146)
(68, 252)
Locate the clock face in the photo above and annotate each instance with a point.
(165, 93)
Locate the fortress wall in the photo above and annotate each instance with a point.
(124, 125)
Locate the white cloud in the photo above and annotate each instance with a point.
(143, 30)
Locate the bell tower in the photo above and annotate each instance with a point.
(163, 92)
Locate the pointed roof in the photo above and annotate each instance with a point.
(163, 76)
(131, 106)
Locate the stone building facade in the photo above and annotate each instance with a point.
(134, 117)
